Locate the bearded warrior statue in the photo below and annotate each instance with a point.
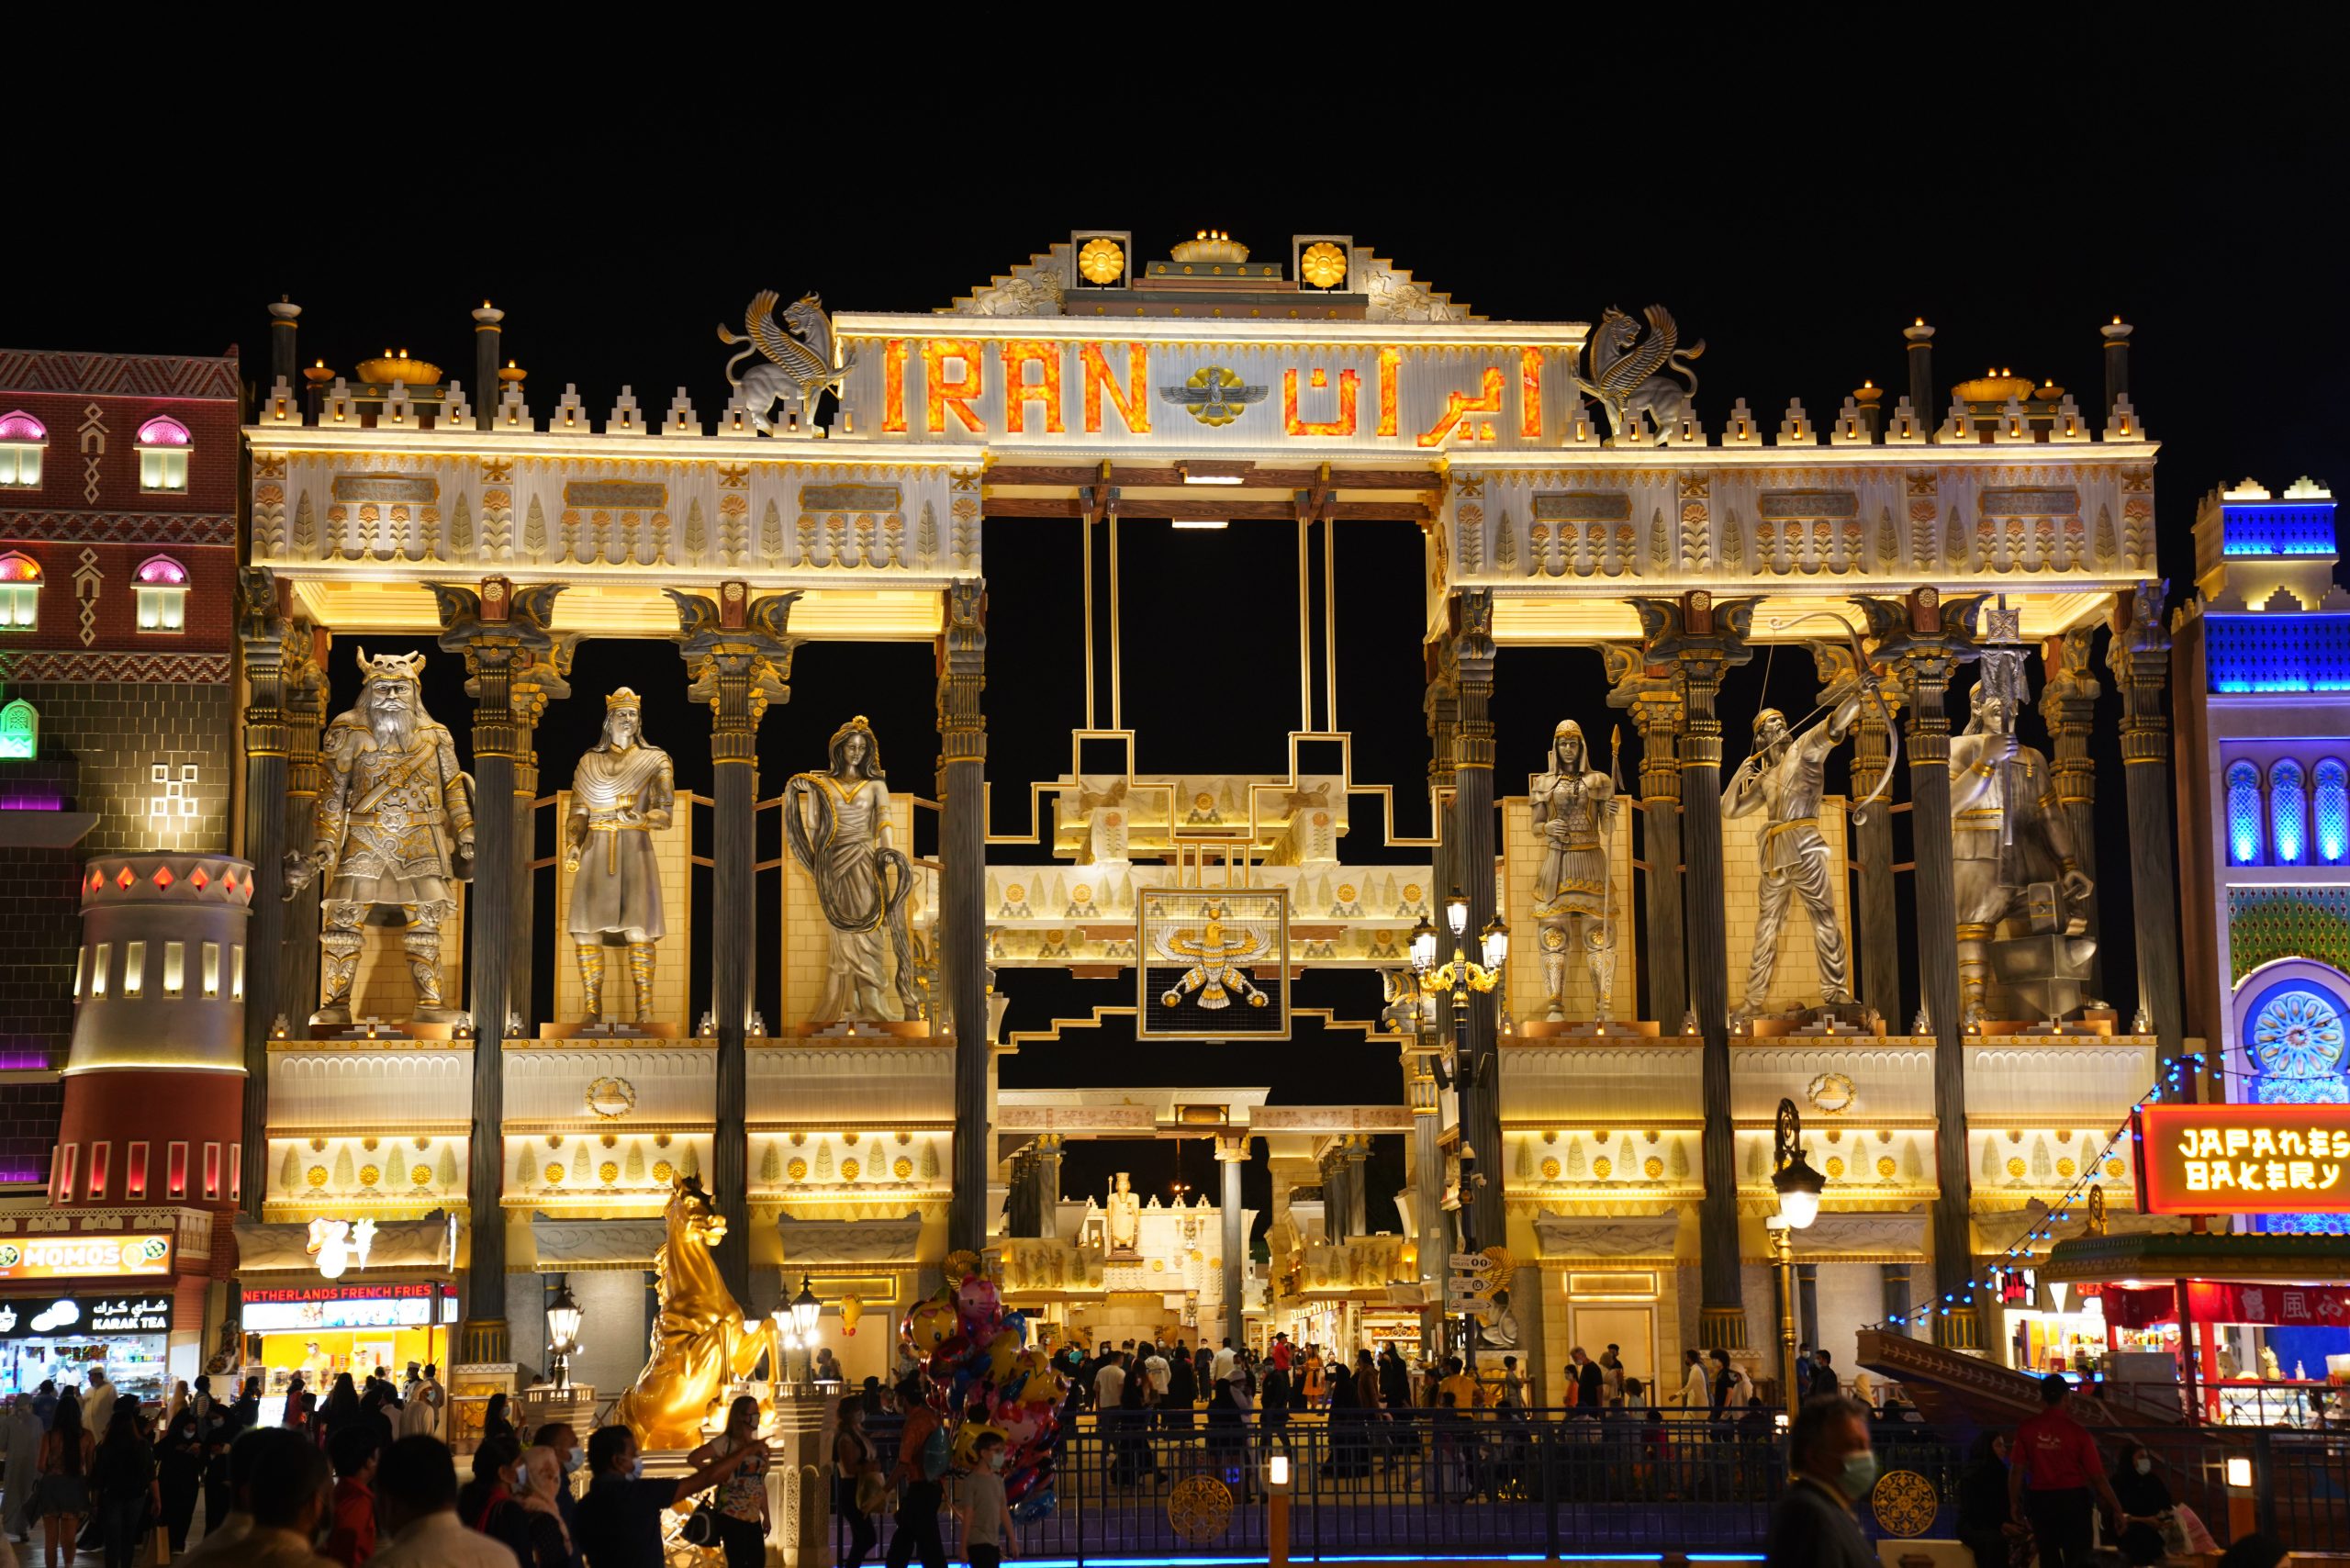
(837, 823)
(395, 834)
(1573, 804)
(2008, 838)
(622, 791)
(1784, 780)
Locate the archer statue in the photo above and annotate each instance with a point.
(1784, 778)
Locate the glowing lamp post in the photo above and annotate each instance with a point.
(1459, 978)
(562, 1332)
(795, 1330)
(1798, 1187)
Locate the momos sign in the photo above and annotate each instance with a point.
(2216, 1160)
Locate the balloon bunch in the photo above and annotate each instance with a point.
(981, 1374)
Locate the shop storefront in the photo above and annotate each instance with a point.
(61, 1338)
(320, 1329)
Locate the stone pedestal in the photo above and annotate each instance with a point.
(800, 1490)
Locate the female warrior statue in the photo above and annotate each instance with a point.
(1571, 804)
(621, 791)
(838, 825)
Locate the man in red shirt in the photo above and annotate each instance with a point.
(2053, 1469)
(1282, 1351)
(353, 1538)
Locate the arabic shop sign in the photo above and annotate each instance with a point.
(65, 1317)
(66, 1257)
(2216, 1160)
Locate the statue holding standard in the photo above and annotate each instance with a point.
(1123, 1217)
(1782, 777)
(2008, 833)
(621, 791)
(395, 832)
(1572, 804)
(837, 823)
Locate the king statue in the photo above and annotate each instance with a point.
(395, 834)
(622, 791)
(837, 823)
(1783, 778)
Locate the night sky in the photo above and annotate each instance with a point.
(2015, 213)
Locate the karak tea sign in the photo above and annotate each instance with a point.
(2230, 1159)
(81, 1257)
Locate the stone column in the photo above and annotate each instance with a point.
(1704, 639)
(1808, 1304)
(1442, 704)
(2116, 361)
(502, 634)
(1231, 1154)
(1357, 1149)
(2068, 704)
(1048, 1186)
(306, 716)
(532, 691)
(262, 632)
(487, 334)
(1927, 640)
(1471, 841)
(1432, 1233)
(2140, 660)
(1653, 695)
(284, 357)
(1897, 1296)
(1333, 1166)
(738, 650)
(962, 897)
(1920, 338)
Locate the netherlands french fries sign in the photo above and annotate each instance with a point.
(2233, 1160)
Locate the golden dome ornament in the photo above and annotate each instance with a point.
(1323, 264)
(1102, 261)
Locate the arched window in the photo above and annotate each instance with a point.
(19, 732)
(163, 445)
(2244, 814)
(19, 591)
(2288, 834)
(161, 584)
(22, 437)
(2333, 817)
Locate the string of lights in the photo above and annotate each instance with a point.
(2043, 1228)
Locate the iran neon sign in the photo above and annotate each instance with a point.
(2215, 1159)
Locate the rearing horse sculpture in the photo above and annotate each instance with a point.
(701, 1340)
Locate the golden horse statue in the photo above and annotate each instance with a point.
(700, 1341)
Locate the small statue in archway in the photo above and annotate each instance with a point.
(1572, 805)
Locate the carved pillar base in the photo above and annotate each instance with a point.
(1721, 1328)
(1960, 1328)
(799, 1491)
(484, 1340)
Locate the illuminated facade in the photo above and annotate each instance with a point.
(1569, 493)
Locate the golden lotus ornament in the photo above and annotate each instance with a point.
(1102, 261)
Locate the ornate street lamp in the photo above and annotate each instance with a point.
(1460, 977)
(1798, 1187)
(563, 1331)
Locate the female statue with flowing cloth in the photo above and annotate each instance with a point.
(837, 823)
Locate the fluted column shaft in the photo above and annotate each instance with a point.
(2068, 704)
(306, 713)
(1658, 713)
(1431, 1232)
(963, 955)
(1471, 867)
(1929, 667)
(1048, 1186)
(1231, 1154)
(2140, 659)
(1703, 639)
(261, 637)
(1877, 920)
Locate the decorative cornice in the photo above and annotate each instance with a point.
(145, 668)
(120, 528)
(117, 375)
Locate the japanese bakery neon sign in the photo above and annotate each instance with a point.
(2216, 1160)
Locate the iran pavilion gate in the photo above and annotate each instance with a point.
(1673, 549)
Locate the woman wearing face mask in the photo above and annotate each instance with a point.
(541, 1479)
(181, 1459)
(2146, 1505)
(742, 1497)
(488, 1502)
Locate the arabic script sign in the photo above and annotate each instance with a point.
(2214, 1159)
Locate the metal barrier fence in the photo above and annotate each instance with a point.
(1553, 1483)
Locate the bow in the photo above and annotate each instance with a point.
(1864, 674)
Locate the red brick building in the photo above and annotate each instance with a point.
(119, 483)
